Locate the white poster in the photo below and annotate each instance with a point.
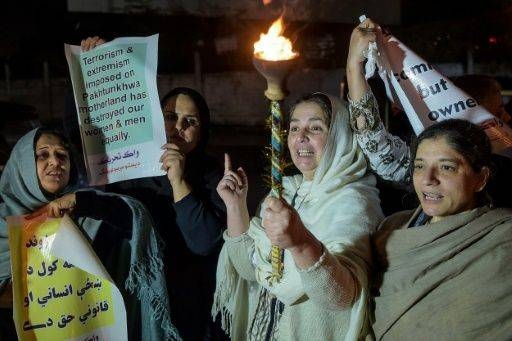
(118, 107)
(428, 97)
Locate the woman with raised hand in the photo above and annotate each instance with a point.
(323, 223)
(39, 178)
(188, 212)
(388, 155)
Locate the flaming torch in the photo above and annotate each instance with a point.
(273, 58)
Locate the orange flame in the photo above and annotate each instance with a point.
(274, 46)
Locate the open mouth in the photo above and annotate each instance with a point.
(305, 152)
(432, 197)
(56, 174)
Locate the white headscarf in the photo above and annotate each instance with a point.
(340, 206)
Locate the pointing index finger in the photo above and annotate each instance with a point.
(227, 163)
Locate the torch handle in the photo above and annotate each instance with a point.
(277, 149)
(276, 254)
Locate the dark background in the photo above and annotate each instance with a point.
(33, 32)
(444, 31)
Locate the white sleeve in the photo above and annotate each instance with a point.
(388, 155)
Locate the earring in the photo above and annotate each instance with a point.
(490, 201)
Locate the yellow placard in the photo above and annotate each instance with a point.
(54, 300)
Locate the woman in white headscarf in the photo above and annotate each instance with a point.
(323, 223)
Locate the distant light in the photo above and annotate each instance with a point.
(493, 40)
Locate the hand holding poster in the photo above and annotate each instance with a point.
(427, 96)
(61, 290)
(121, 122)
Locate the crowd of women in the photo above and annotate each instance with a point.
(441, 271)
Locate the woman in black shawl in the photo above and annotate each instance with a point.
(187, 210)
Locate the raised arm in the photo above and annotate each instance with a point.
(388, 155)
(233, 191)
(364, 34)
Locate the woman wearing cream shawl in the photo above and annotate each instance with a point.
(323, 223)
(444, 270)
(40, 176)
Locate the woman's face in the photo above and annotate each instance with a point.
(52, 163)
(444, 181)
(307, 137)
(182, 123)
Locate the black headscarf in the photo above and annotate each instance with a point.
(202, 107)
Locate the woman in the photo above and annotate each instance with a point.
(444, 270)
(39, 177)
(188, 213)
(388, 155)
(187, 210)
(323, 223)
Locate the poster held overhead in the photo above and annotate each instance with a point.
(427, 96)
(118, 108)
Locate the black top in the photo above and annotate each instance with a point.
(192, 231)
